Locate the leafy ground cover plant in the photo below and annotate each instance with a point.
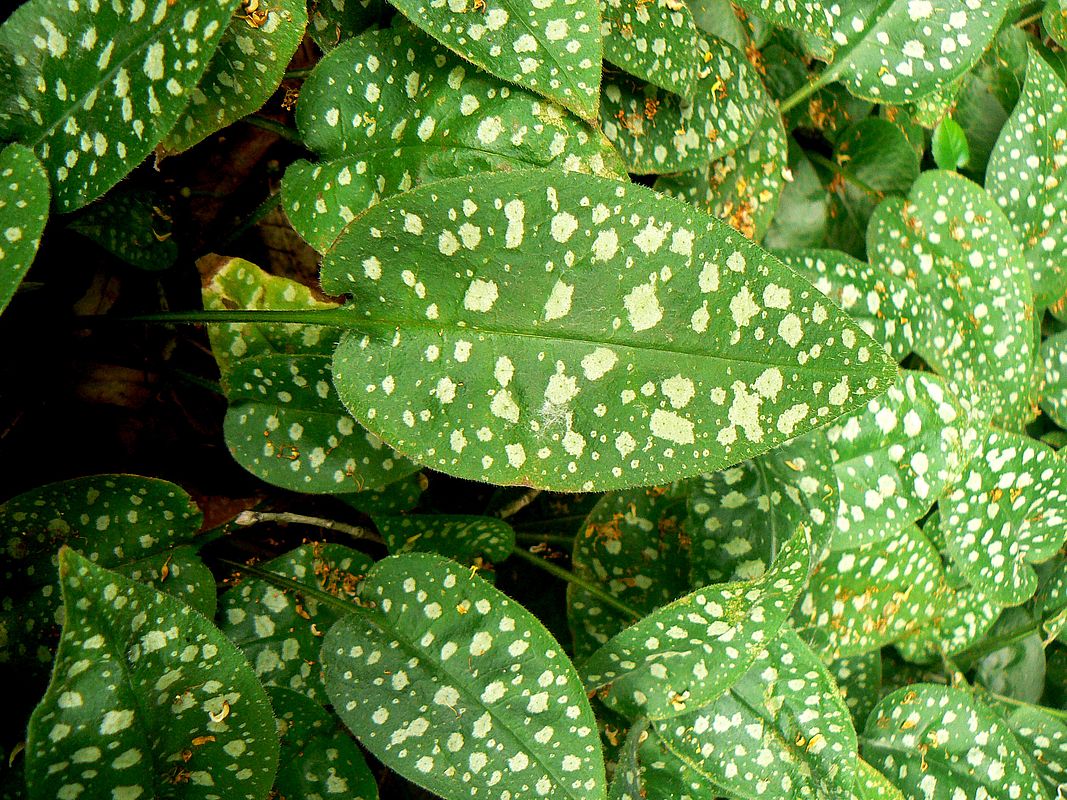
(627, 399)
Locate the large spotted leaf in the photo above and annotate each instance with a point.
(873, 785)
(862, 599)
(393, 109)
(654, 41)
(244, 72)
(551, 350)
(1009, 511)
(552, 47)
(146, 695)
(781, 731)
(687, 653)
(1026, 175)
(467, 538)
(24, 199)
(280, 630)
(956, 250)
(657, 132)
(1043, 733)
(897, 51)
(456, 687)
(896, 457)
(633, 545)
(1054, 390)
(942, 743)
(859, 679)
(96, 86)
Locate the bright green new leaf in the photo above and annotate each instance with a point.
(1054, 391)
(1027, 176)
(318, 757)
(331, 22)
(1043, 734)
(453, 685)
(741, 188)
(244, 72)
(394, 109)
(687, 653)
(949, 145)
(553, 47)
(24, 199)
(136, 226)
(657, 132)
(632, 544)
(862, 599)
(481, 358)
(140, 679)
(955, 249)
(782, 730)
(279, 630)
(1008, 511)
(942, 743)
(98, 85)
(859, 679)
(655, 41)
(466, 538)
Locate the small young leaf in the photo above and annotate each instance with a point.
(135, 226)
(654, 41)
(24, 203)
(465, 538)
(949, 145)
(105, 84)
(499, 376)
(452, 684)
(140, 680)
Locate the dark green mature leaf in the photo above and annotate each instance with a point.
(96, 86)
(503, 375)
(552, 47)
(331, 22)
(280, 631)
(955, 249)
(318, 757)
(23, 213)
(804, 208)
(393, 109)
(718, 18)
(139, 680)
(1008, 511)
(862, 599)
(684, 655)
(742, 188)
(1017, 670)
(942, 743)
(1054, 390)
(949, 145)
(859, 679)
(633, 545)
(1027, 174)
(456, 687)
(657, 132)
(244, 72)
(135, 226)
(781, 731)
(1042, 733)
(655, 41)
(466, 538)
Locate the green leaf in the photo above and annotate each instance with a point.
(456, 687)
(627, 783)
(1008, 512)
(718, 18)
(1054, 390)
(860, 600)
(553, 48)
(949, 145)
(1043, 734)
(742, 188)
(135, 226)
(632, 545)
(956, 250)
(1054, 20)
(781, 731)
(491, 376)
(1016, 671)
(96, 86)
(685, 654)
(1027, 173)
(280, 631)
(859, 679)
(1051, 601)
(654, 41)
(318, 758)
(23, 213)
(393, 109)
(657, 132)
(804, 208)
(896, 51)
(244, 72)
(466, 538)
(941, 743)
(139, 680)
(811, 16)
(331, 22)
(873, 785)
(396, 498)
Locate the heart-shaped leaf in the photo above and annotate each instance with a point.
(147, 697)
(502, 375)
(23, 213)
(466, 538)
(470, 690)
(654, 41)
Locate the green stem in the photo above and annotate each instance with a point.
(545, 538)
(324, 316)
(519, 503)
(283, 582)
(972, 654)
(262, 210)
(1052, 712)
(828, 75)
(1028, 20)
(246, 518)
(566, 575)
(297, 74)
(837, 169)
(292, 134)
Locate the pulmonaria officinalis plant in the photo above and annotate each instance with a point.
(629, 399)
